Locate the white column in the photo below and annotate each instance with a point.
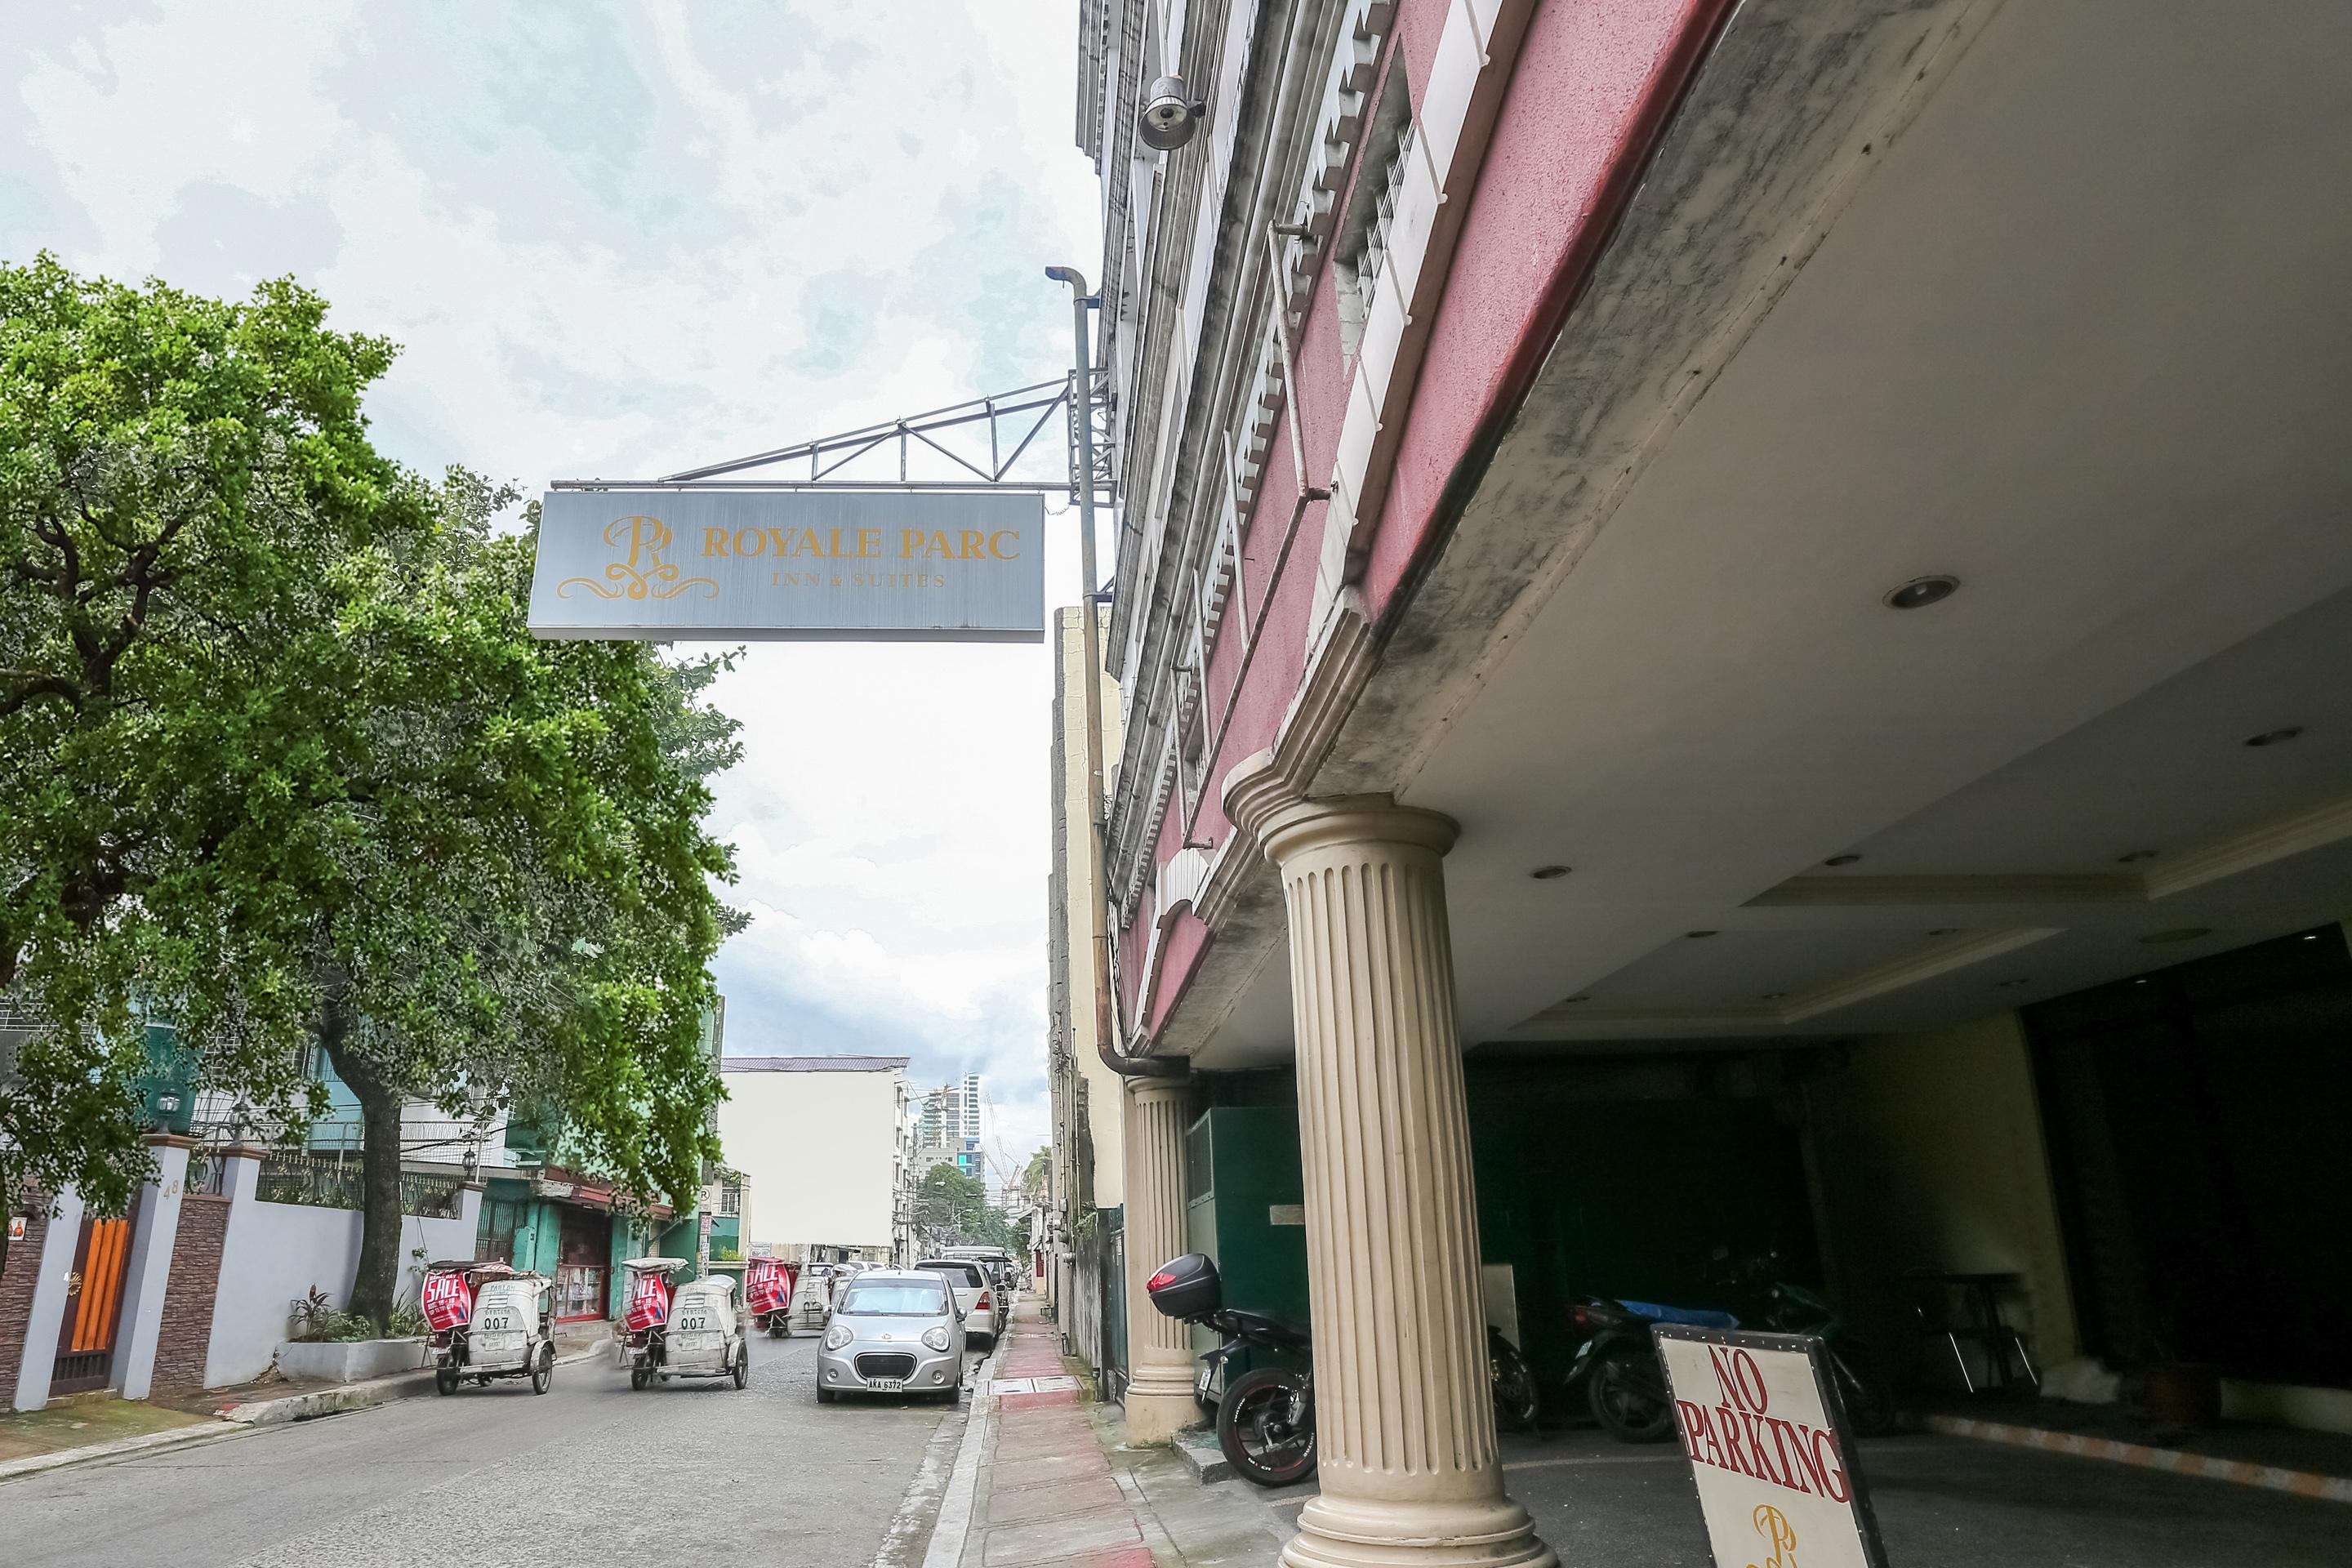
(154, 1236)
(230, 1352)
(1404, 1416)
(49, 1301)
(1159, 1349)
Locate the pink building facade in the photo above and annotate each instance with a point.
(1826, 521)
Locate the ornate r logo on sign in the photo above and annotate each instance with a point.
(640, 573)
(1779, 1534)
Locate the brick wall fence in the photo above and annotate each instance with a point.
(184, 1338)
(17, 1292)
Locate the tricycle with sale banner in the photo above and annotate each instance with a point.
(488, 1319)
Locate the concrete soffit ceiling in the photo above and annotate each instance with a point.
(2057, 317)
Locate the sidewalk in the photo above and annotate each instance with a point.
(79, 1429)
(1056, 1490)
(84, 1421)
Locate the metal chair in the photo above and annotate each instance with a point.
(1984, 1325)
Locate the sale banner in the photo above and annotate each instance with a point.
(447, 1303)
(648, 1303)
(770, 1286)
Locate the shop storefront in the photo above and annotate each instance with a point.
(573, 1228)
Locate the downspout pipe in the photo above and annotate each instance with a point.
(1097, 890)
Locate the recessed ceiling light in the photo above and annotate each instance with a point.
(1841, 859)
(1921, 591)
(1699, 934)
(1547, 873)
(2275, 737)
(2134, 857)
(1944, 930)
(2311, 936)
(2180, 933)
(2141, 981)
(1774, 996)
(1573, 1000)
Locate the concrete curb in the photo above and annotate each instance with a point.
(145, 1443)
(952, 1530)
(318, 1401)
(240, 1419)
(1197, 1446)
(2206, 1466)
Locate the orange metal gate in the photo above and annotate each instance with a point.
(93, 1308)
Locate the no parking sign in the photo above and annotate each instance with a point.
(1760, 1422)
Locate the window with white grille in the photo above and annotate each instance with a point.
(1361, 260)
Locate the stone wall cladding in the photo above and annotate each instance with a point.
(16, 1290)
(184, 1341)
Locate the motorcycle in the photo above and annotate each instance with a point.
(1867, 1396)
(1265, 1418)
(1517, 1404)
(1617, 1367)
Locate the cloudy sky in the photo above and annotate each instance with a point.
(618, 239)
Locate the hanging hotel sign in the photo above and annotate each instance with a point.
(1759, 1420)
(662, 565)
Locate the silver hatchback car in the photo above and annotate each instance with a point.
(892, 1331)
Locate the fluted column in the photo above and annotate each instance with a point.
(1159, 1349)
(1405, 1414)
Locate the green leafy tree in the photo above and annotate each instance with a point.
(178, 477)
(515, 898)
(279, 759)
(952, 1209)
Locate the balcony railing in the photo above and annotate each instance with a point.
(333, 1182)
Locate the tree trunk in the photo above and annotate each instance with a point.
(373, 1288)
(10, 1196)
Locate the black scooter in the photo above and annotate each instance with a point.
(1616, 1367)
(1265, 1419)
(1617, 1364)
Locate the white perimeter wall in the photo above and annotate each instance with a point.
(274, 1253)
(817, 1149)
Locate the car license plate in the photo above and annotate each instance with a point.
(697, 1341)
(886, 1384)
(500, 1343)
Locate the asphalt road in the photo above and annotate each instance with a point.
(1942, 1502)
(587, 1473)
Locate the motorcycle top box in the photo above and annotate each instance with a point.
(1186, 1287)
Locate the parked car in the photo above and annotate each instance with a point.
(892, 1331)
(982, 1304)
(1003, 1268)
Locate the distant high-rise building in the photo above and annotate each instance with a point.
(968, 1153)
(947, 1130)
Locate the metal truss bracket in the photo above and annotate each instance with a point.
(1028, 409)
